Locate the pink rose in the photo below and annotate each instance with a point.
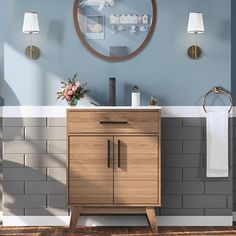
(69, 87)
(74, 88)
(68, 98)
(70, 92)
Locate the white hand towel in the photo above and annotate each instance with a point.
(217, 144)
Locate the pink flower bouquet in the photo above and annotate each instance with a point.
(72, 91)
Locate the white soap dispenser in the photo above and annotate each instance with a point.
(135, 97)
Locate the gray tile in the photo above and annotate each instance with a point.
(56, 174)
(185, 160)
(56, 146)
(171, 201)
(234, 185)
(13, 160)
(232, 121)
(171, 174)
(20, 174)
(194, 121)
(219, 212)
(231, 160)
(58, 122)
(46, 212)
(42, 133)
(230, 201)
(194, 174)
(58, 201)
(50, 160)
(171, 147)
(182, 133)
(24, 147)
(233, 129)
(232, 145)
(218, 188)
(49, 187)
(194, 146)
(232, 133)
(182, 188)
(23, 201)
(204, 201)
(13, 133)
(234, 208)
(220, 179)
(182, 212)
(171, 122)
(13, 187)
(13, 212)
(24, 121)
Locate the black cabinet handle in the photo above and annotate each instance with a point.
(113, 122)
(108, 154)
(118, 153)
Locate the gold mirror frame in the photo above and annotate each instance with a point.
(121, 58)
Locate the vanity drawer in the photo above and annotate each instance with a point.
(113, 122)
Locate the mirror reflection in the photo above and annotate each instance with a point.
(114, 28)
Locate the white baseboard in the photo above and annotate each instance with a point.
(117, 221)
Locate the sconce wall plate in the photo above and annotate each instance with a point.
(33, 53)
(194, 52)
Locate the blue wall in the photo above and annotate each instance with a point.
(233, 49)
(162, 69)
(1, 52)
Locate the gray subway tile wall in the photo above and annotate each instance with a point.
(200, 195)
(11, 201)
(16, 147)
(34, 166)
(46, 212)
(24, 122)
(13, 160)
(45, 160)
(34, 169)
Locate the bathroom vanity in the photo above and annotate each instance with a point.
(113, 161)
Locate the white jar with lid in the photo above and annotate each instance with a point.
(135, 97)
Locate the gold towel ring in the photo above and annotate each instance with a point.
(217, 90)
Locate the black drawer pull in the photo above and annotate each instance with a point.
(113, 122)
(118, 153)
(108, 154)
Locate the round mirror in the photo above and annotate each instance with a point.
(115, 30)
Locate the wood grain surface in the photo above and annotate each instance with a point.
(115, 231)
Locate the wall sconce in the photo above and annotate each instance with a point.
(195, 26)
(31, 26)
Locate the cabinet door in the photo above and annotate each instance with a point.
(90, 166)
(136, 177)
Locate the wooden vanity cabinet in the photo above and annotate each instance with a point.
(113, 160)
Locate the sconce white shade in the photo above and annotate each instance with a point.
(31, 24)
(195, 23)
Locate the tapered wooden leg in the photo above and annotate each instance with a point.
(75, 213)
(152, 220)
